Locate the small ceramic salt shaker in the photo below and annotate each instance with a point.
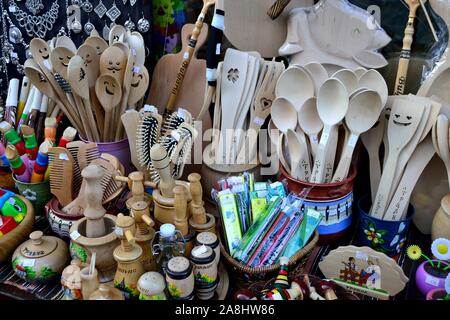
(180, 278)
(151, 286)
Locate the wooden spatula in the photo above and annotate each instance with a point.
(403, 123)
(61, 174)
(416, 164)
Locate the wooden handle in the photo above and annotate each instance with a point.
(277, 8)
(180, 205)
(129, 236)
(196, 188)
(405, 54)
(161, 162)
(346, 159)
(148, 221)
(187, 58)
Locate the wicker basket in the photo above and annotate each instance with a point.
(244, 276)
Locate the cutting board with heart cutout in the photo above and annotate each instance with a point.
(192, 91)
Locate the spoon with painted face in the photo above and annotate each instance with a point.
(109, 93)
(332, 105)
(363, 112)
(309, 121)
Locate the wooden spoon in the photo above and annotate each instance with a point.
(139, 84)
(284, 115)
(405, 118)
(117, 33)
(98, 43)
(363, 112)
(309, 121)
(332, 105)
(280, 150)
(318, 73)
(113, 61)
(59, 58)
(299, 155)
(109, 93)
(348, 78)
(359, 72)
(295, 84)
(136, 43)
(373, 80)
(78, 79)
(66, 42)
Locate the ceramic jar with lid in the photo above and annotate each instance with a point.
(180, 278)
(205, 271)
(106, 292)
(209, 239)
(151, 286)
(40, 259)
(71, 281)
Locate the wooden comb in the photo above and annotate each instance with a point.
(74, 148)
(111, 187)
(87, 153)
(61, 174)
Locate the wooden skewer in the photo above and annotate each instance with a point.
(405, 55)
(188, 56)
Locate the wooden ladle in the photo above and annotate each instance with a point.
(309, 121)
(296, 85)
(363, 112)
(332, 105)
(284, 115)
(109, 93)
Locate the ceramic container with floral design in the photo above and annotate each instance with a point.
(37, 193)
(180, 278)
(205, 271)
(429, 278)
(382, 235)
(40, 259)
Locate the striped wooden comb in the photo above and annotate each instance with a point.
(61, 174)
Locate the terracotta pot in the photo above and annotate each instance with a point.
(334, 200)
(40, 259)
(428, 278)
(59, 221)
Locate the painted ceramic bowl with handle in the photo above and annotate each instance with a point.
(429, 278)
(40, 259)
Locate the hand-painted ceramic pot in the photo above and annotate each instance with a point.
(382, 235)
(334, 200)
(37, 193)
(40, 259)
(59, 221)
(429, 278)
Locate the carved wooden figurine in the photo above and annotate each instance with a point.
(128, 256)
(144, 233)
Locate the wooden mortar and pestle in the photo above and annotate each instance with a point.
(163, 197)
(144, 233)
(200, 221)
(95, 232)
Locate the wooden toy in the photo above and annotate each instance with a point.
(312, 32)
(363, 270)
(151, 286)
(180, 278)
(128, 256)
(144, 233)
(205, 271)
(40, 259)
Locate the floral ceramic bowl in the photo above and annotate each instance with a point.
(382, 235)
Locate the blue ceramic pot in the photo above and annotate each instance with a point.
(382, 235)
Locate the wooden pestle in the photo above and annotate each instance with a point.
(126, 235)
(94, 211)
(161, 162)
(180, 204)
(197, 208)
(141, 214)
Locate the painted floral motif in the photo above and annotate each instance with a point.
(30, 194)
(29, 274)
(373, 235)
(174, 290)
(204, 278)
(78, 251)
(129, 290)
(400, 245)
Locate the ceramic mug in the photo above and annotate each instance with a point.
(428, 279)
(383, 236)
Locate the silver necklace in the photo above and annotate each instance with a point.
(15, 37)
(34, 6)
(3, 59)
(35, 26)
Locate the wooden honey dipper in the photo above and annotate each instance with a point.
(180, 205)
(94, 212)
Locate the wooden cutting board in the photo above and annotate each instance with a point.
(249, 28)
(192, 91)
